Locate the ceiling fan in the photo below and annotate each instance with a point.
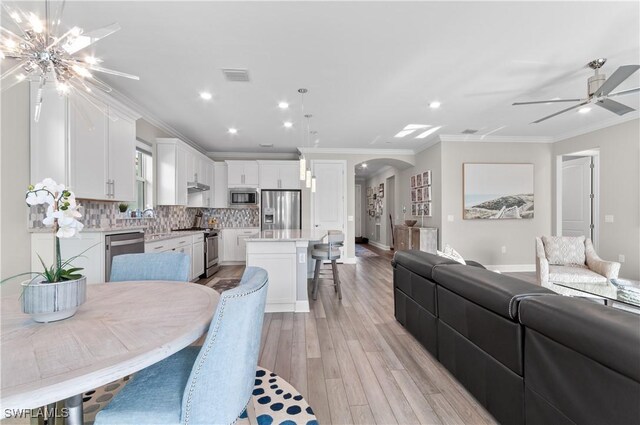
(599, 89)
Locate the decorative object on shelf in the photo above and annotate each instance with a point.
(58, 291)
(410, 223)
(40, 50)
(123, 207)
(381, 190)
(498, 191)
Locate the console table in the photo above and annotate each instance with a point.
(422, 238)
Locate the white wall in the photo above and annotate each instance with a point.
(428, 159)
(482, 240)
(372, 223)
(352, 160)
(15, 242)
(619, 190)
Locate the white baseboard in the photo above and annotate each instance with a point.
(509, 268)
(379, 245)
(233, 263)
(302, 306)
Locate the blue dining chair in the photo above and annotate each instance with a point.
(209, 385)
(151, 266)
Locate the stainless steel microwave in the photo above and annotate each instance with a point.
(243, 197)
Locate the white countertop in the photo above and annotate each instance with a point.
(288, 235)
(171, 235)
(128, 229)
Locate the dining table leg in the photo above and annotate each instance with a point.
(74, 406)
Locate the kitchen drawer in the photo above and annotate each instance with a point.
(168, 244)
(198, 238)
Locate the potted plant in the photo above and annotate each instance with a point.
(57, 291)
(123, 207)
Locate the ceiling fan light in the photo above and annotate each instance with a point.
(584, 109)
(308, 179)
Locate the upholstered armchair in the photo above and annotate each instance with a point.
(570, 259)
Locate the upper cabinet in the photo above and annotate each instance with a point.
(220, 187)
(88, 145)
(178, 164)
(279, 174)
(171, 172)
(243, 174)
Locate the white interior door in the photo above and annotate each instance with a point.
(576, 197)
(358, 219)
(328, 201)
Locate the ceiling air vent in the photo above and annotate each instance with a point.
(236, 75)
(469, 131)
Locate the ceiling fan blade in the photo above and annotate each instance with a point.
(623, 92)
(615, 107)
(547, 101)
(616, 79)
(560, 112)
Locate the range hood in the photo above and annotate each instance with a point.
(195, 187)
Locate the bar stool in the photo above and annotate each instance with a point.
(328, 252)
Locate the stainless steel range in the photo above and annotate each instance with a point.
(211, 260)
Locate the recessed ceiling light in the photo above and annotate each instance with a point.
(364, 165)
(584, 110)
(434, 105)
(233, 130)
(428, 132)
(283, 105)
(206, 95)
(288, 124)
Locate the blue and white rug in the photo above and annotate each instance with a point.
(276, 402)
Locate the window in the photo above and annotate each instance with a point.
(144, 181)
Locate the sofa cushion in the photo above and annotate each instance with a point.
(420, 262)
(568, 274)
(496, 292)
(607, 335)
(564, 250)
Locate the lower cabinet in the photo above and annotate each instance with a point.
(91, 243)
(192, 245)
(233, 246)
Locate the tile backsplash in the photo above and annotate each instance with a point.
(105, 215)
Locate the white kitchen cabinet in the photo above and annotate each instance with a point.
(88, 133)
(243, 174)
(279, 174)
(171, 172)
(49, 136)
(234, 243)
(88, 146)
(197, 259)
(122, 156)
(92, 261)
(221, 188)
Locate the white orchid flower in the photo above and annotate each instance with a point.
(52, 186)
(39, 197)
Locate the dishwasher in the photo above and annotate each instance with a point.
(121, 243)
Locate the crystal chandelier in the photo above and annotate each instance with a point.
(37, 48)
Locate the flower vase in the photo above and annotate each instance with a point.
(50, 302)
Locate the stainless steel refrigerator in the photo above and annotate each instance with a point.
(281, 209)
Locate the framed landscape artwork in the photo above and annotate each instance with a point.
(497, 191)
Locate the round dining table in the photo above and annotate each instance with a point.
(123, 327)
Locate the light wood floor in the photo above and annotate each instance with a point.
(354, 363)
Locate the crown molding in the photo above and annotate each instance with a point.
(252, 155)
(495, 139)
(153, 120)
(356, 151)
(599, 126)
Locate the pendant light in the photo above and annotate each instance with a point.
(308, 172)
(303, 160)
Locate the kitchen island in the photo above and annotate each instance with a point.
(285, 255)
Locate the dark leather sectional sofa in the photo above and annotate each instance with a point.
(526, 354)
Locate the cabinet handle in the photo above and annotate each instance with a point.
(159, 247)
(108, 188)
(196, 177)
(181, 242)
(113, 188)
